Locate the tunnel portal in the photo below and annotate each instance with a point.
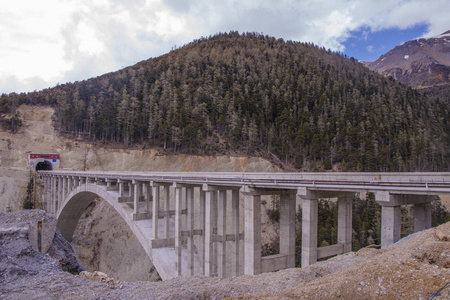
(43, 162)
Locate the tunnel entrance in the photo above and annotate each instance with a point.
(44, 166)
(43, 161)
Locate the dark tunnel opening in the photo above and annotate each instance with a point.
(44, 166)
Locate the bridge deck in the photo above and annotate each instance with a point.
(427, 183)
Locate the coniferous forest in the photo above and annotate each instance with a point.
(296, 104)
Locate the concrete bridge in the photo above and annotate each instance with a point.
(210, 223)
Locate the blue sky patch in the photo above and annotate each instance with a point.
(365, 45)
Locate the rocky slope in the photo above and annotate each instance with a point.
(413, 268)
(419, 63)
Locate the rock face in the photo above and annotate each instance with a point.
(419, 63)
(19, 258)
(103, 241)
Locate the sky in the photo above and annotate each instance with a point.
(49, 42)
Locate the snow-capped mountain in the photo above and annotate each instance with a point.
(419, 63)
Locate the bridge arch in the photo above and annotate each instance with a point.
(69, 194)
(78, 200)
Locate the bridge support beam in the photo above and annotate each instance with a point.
(190, 229)
(221, 233)
(309, 231)
(137, 192)
(166, 211)
(121, 184)
(60, 193)
(54, 194)
(178, 207)
(210, 221)
(155, 212)
(147, 190)
(235, 231)
(390, 214)
(287, 228)
(345, 228)
(390, 225)
(422, 216)
(64, 188)
(76, 181)
(310, 251)
(69, 184)
(44, 195)
(202, 225)
(252, 234)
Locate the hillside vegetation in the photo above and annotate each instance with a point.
(305, 107)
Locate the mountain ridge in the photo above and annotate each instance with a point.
(420, 63)
(308, 108)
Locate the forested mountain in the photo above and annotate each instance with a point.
(291, 102)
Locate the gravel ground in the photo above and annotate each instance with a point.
(412, 269)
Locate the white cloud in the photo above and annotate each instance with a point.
(54, 41)
(370, 48)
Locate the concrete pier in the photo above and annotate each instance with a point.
(252, 234)
(390, 225)
(309, 231)
(287, 228)
(391, 214)
(422, 216)
(345, 229)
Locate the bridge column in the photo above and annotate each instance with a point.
(345, 228)
(69, 184)
(121, 183)
(210, 219)
(221, 233)
(390, 217)
(137, 191)
(235, 231)
(178, 229)
(155, 216)
(309, 226)
(166, 211)
(390, 214)
(147, 190)
(64, 188)
(202, 225)
(76, 182)
(287, 228)
(422, 216)
(111, 184)
(252, 232)
(54, 195)
(131, 190)
(390, 225)
(190, 229)
(60, 193)
(49, 194)
(43, 197)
